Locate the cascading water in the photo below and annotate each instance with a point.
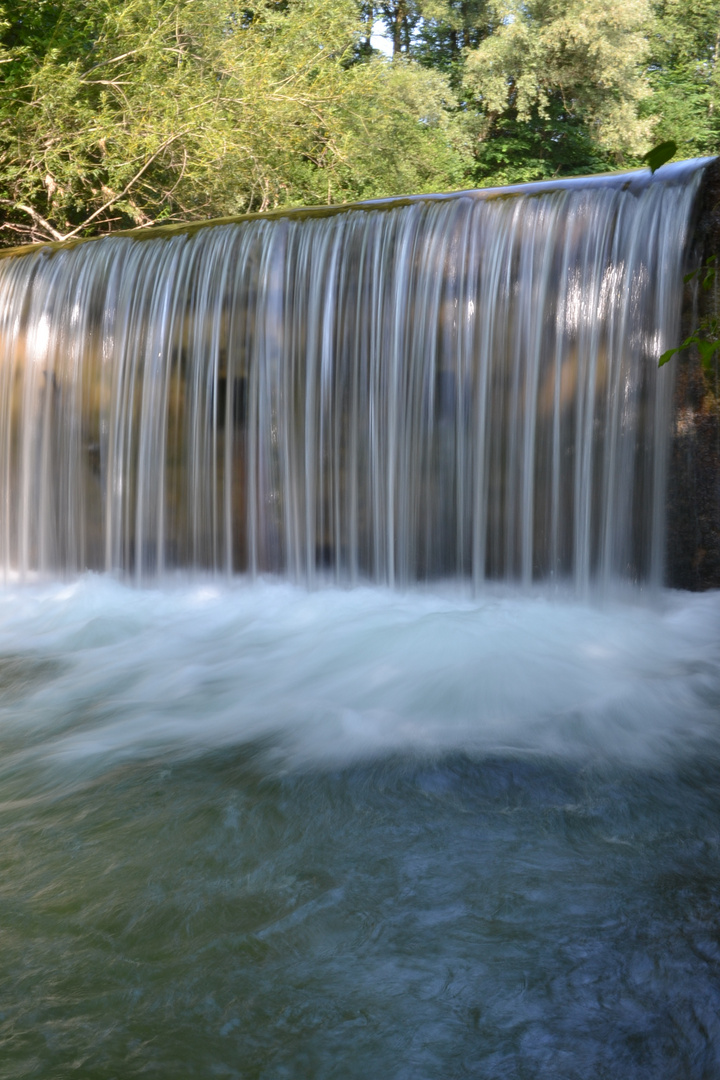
(466, 828)
(459, 386)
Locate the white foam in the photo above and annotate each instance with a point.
(333, 675)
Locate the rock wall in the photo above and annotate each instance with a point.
(693, 545)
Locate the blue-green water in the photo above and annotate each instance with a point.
(254, 831)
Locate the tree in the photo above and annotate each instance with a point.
(122, 112)
(684, 73)
(564, 65)
(545, 87)
(449, 30)
(116, 113)
(400, 17)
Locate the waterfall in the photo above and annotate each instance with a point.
(463, 385)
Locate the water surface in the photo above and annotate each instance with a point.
(251, 830)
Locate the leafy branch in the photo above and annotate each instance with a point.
(706, 337)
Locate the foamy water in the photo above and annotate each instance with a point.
(98, 671)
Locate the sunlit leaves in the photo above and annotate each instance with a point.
(177, 109)
(684, 73)
(584, 54)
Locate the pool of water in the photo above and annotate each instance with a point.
(253, 831)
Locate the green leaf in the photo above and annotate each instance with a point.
(667, 355)
(692, 340)
(660, 154)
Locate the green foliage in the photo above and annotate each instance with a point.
(578, 55)
(116, 113)
(684, 74)
(548, 87)
(706, 338)
(120, 112)
(449, 31)
(539, 148)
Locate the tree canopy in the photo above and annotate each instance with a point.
(116, 113)
(684, 74)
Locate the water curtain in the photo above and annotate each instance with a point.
(463, 386)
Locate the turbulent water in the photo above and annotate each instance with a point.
(250, 830)
(453, 386)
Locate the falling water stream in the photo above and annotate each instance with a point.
(457, 387)
(346, 726)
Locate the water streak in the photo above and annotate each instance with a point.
(462, 387)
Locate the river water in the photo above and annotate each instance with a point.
(254, 830)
